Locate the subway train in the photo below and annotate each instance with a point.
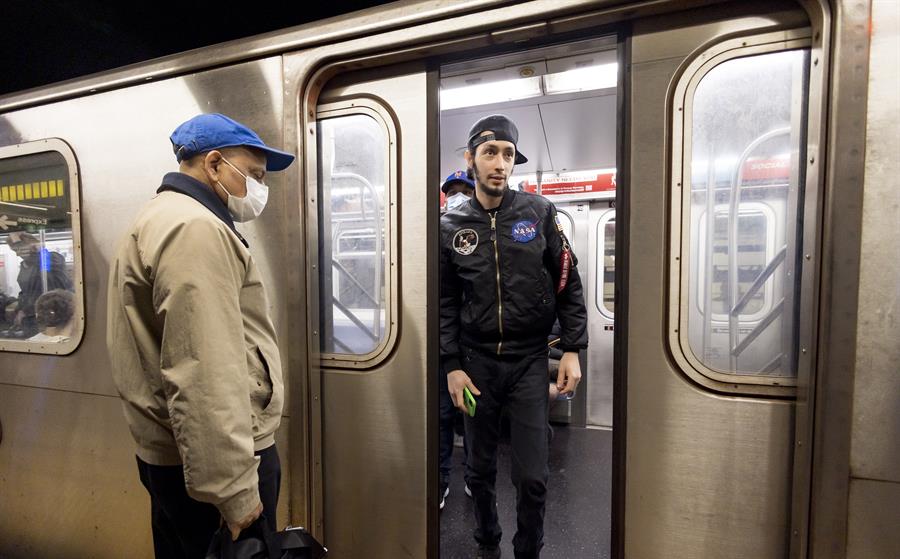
(726, 173)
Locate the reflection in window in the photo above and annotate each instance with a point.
(746, 145)
(606, 279)
(754, 252)
(37, 253)
(353, 179)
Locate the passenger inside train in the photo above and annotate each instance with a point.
(562, 103)
(54, 312)
(33, 266)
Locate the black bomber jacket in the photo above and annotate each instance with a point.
(503, 283)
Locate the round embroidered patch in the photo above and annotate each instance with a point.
(524, 231)
(465, 241)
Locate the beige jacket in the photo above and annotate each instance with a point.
(193, 349)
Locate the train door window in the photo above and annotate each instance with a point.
(606, 264)
(744, 136)
(356, 173)
(41, 309)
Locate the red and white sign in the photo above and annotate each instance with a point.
(585, 182)
(765, 170)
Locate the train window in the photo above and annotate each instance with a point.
(41, 310)
(606, 264)
(355, 172)
(744, 132)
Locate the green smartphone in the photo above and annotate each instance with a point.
(469, 401)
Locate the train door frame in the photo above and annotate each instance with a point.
(308, 72)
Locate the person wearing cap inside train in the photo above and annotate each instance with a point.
(457, 189)
(192, 345)
(507, 273)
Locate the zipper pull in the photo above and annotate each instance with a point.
(493, 226)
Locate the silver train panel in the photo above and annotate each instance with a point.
(873, 512)
(374, 438)
(120, 139)
(875, 453)
(874, 500)
(707, 476)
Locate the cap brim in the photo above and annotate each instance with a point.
(520, 158)
(276, 160)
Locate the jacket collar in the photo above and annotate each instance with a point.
(508, 196)
(189, 186)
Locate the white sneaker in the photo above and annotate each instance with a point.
(468, 491)
(444, 497)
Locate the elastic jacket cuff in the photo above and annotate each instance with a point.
(239, 506)
(575, 348)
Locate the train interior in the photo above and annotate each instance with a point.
(563, 101)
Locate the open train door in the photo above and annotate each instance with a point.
(717, 256)
(361, 483)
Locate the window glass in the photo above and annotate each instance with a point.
(606, 260)
(746, 147)
(353, 181)
(37, 250)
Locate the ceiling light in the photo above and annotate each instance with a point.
(493, 92)
(582, 79)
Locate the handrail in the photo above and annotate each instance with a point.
(734, 203)
(353, 318)
(352, 278)
(379, 241)
(758, 329)
(760, 280)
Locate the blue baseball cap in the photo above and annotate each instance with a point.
(456, 176)
(215, 131)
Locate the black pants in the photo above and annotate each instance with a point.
(447, 419)
(518, 385)
(182, 526)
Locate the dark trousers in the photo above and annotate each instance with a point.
(518, 385)
(447, 419)
(447, 415)
(182, 526)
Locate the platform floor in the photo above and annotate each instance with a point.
(577, 519)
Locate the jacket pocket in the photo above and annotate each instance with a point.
(259, 379)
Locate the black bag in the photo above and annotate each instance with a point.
(291, 543)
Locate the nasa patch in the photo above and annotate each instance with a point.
(465, 241)
(524, 231)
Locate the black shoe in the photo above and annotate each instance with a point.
(488, 552)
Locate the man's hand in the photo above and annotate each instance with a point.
(244, 522)
(569, 373)
(456, 381)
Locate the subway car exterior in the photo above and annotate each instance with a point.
(751, 386)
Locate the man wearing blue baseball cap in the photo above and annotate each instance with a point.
(193, 348)
(458, 188)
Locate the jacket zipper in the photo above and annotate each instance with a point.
(497, 268)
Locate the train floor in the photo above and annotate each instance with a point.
(577, 518)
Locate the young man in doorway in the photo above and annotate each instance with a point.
(507, 274)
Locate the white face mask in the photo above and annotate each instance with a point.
(456, 201)
(250, 206)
